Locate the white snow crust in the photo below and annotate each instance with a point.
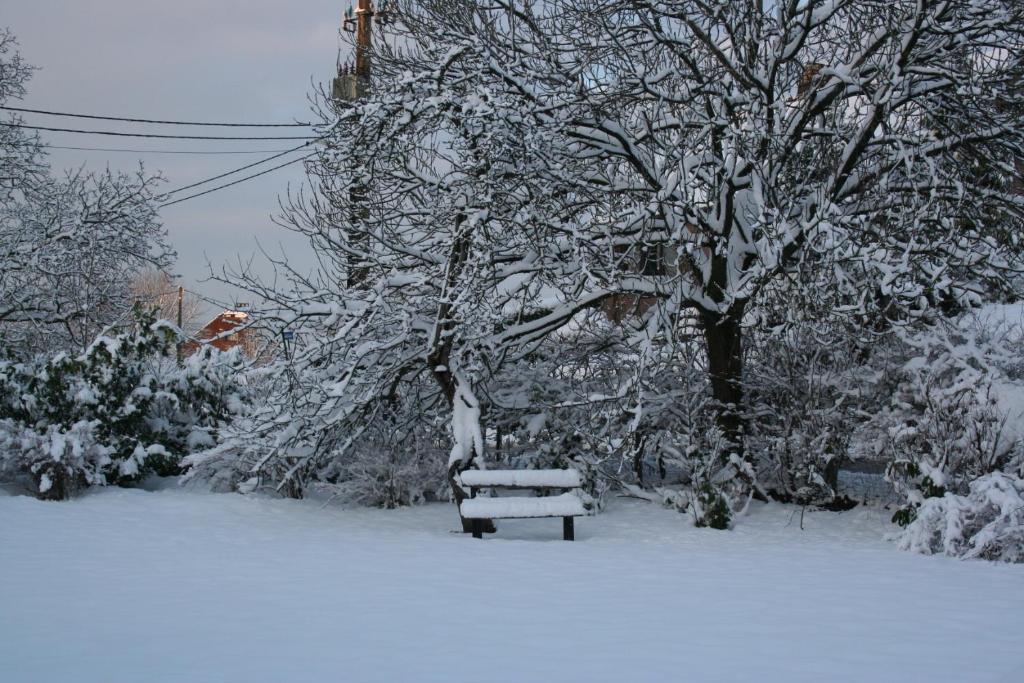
(175, 586)
(565, 505)
(557, 479)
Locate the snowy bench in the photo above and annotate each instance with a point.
(567, 505)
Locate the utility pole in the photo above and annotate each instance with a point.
(352, 84)
(181, 332)
(353, 81)
(364, 41)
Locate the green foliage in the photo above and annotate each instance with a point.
(905, 516)
(712, 508)
(115, 413)
(925, 486)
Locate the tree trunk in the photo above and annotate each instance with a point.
(487, 525)
(723, 337)
(439, 360)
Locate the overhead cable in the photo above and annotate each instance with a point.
(237, 170)
(153, 135)
(167, 151)
(241, 180)
(157, 121)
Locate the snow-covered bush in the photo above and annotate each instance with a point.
(399, 460)
(953, 438)
(56, 459)
(114, 413)
(706, 480)
(387, 453)
(198, 398)
(567, 405)
(711, 508)
(941, 425)
(801, 381)
(987, 523)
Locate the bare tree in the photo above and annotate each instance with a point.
(157, 289)
(21, 155)
(69, 246)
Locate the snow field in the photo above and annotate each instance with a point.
(183, 586)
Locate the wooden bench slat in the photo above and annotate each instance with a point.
(523, 479)
(565, 505)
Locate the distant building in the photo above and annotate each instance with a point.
(221, 333)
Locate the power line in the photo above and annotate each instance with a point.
(153, 135)
(237, 170)
(164, 123)
(241, 180)
(166, 151)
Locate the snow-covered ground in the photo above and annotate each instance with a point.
(175, 585)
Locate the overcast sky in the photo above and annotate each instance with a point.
(250, 61)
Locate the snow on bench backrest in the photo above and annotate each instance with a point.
(556, 479)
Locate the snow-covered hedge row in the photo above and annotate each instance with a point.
(114, 413)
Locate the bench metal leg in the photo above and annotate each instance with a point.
(478, 528)
(568, 533)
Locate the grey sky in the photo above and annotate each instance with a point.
(219, 60)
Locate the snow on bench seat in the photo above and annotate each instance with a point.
(527, 479)
(565, 505)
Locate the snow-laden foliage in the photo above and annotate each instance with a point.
(70, 245)
(392, 458)
(634, 235)
(933, 412)
(400, 460)
(114, 413)
(58, 458)
(987, 522)
(808, 375)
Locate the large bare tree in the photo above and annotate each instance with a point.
(520, 165)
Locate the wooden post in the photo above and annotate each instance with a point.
(181, 295)
(360, 87)
(478, 528)
(364, 41)
(568, 532)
